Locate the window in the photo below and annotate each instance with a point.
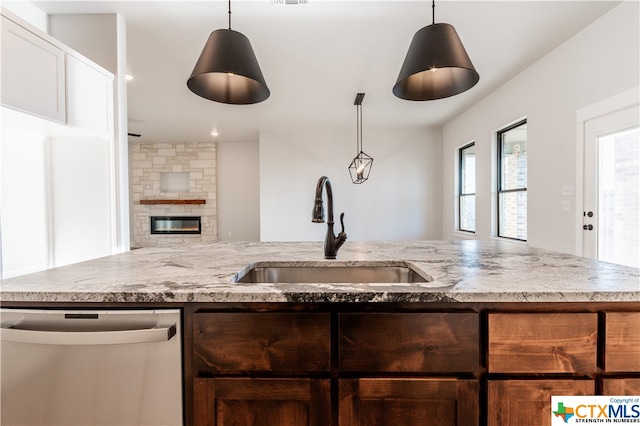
(467, 188)
(512, 182)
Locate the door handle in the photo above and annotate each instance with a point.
(83, 338)
(587, 227)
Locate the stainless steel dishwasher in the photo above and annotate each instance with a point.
(89, 367)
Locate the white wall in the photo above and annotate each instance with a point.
(238, 191)
(93, 35)
(598, 62)
(400, 201)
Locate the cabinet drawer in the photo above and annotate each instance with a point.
(433, 402)
(234, 401)
(622, 341)
(624, 386)
(409, 342)
(528, 402)
(276, 342)
(543, 343)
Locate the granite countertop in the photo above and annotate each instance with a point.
(460, 271)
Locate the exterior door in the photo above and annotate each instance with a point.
(611, 218)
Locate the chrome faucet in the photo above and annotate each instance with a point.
(331, 243)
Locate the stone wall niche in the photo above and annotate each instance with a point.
(173, 180)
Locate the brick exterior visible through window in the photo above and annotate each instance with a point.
(512, 182)
(467, 188)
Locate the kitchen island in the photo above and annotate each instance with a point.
(494, 330)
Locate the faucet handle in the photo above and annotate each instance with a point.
(342, 226)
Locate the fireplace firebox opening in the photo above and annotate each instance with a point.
(176, 225)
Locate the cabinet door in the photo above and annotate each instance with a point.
(624, 386)
(32, 73)
(528, 402)
(622, 342)
(408, 402)
(89, 97)
(262, 341)
(409, 342)
(543, 343)
(262, 402)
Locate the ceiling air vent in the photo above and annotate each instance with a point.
(288, 2)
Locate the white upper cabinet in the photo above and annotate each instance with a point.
(44, 78)
(33, 73)
(89, 97)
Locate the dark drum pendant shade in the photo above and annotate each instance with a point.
(436, 66)
(228, 71)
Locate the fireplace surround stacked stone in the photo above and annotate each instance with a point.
(149, 161)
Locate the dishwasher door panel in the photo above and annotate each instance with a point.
(99, 383)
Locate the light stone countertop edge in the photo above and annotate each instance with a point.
(462, 271)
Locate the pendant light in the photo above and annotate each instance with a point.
(436, 66)
(360, 167)
(227, 70)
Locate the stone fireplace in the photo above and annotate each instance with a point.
(171, 181)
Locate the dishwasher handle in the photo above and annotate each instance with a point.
(85, 338)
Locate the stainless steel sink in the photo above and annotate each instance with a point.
(331, 274)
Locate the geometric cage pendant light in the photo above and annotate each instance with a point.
(436, 66)
(360, 167)
(227, 70)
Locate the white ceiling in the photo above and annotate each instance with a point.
(316, 57)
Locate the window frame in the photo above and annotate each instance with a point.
(461, 193)
(499, 190)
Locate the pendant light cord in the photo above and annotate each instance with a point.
(229, 14)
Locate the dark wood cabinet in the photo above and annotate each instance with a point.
(405, 344)
(274, 349)
(403, 364)
(409, 342)
(543, 342)
(622, 342)
(262, 402)
(408, 402)
(528, 402)
(262, 342)
(258, 368)
(566, 345)
(621, 386)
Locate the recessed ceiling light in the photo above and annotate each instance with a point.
(214, 133)
(128, 77)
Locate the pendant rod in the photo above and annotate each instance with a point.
(229, 14)
(360, 107)
(357, 129)
(433, 11)
(358, 104)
